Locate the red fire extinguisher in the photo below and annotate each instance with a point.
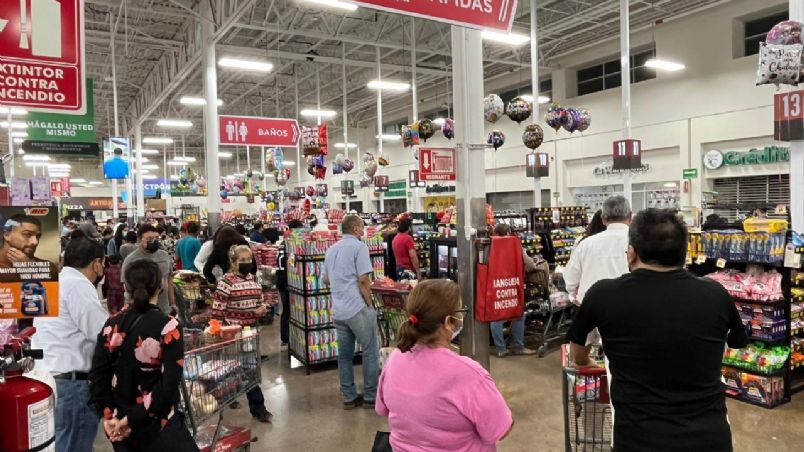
(28, 405)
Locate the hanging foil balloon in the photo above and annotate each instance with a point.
(365, 180)
(410, 135)
(585, 119)
(320, 172)
(348, 165)
(336, 168)
(293, 196)
(785, 33)
(194, 189)
(281, 178)
(271, 206)
(310, 190)
(270, 197)
(519, 109)
(190, 175)
(382, 160)
(448, 129)
(201, 182)
(183, 177)
(571, 120)
(224, 194)
(533, 136)
(426, 129)
(311, 170)
(554, 116)
(238, 183)
(249, 173)
(370, 168)
(779, 64)
(235, 190)
(493, 108)
(339, 159)
(496, 139)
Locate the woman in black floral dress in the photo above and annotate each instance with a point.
(136, 371)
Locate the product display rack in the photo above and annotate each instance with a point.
(531, 243)
(518, 220)
(313, 339)
(422, 241)
(748, 375)
(546, 219)
(444, 258)
(562, 241)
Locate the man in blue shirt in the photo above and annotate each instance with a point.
(347, 270)
(189, 246)
(256, 233)
(115, 167)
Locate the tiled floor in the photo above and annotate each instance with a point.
(308, 415)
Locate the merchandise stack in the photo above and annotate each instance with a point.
(313, 339)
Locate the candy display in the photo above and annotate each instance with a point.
(740, 246)
(757, 358)
(319, 310)
(764, 287)
(766, 391)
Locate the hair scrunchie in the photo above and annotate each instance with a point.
(413, 319)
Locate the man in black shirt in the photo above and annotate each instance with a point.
(663, 332)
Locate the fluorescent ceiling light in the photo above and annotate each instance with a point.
(36, 158)
(439, 121)
(33, 164)
(14, 125)
(150, 167)
(14, 111)
(77, 181)
(184, 159)
(157, 140)
(288, 163)
(389, 137)
(246, 65)
(192, 100)
(664, 65)
(58, 173)
(58, 166)
(176, 163)
(147, 152)
(149, 177)
(19, 134)
(529, 98)
(174, 177)
(19, 140)
(225, 155)
(514, 39)
(95, 182)
(335, 4)
(181, 123)
(388, 85)
(671, 185)
(144, 159)
(319, 113)
(344, 146)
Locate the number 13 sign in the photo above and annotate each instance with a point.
(788, 116)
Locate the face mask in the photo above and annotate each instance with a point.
(244, 268)
(152, 246)
(458, 331)
(98, 279)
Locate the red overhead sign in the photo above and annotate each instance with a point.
(42, 55)
(254, 131)
(437, 164)
(484, 14)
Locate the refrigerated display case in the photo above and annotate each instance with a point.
(444, 258)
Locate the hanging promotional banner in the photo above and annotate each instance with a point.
(90, 203)
(115, 158)
(42, 55)
(537, 164)
(436, 164)
(627, 154)
(63, 134)
(495, 15)
(29, 273)
(788, 116)
(254, 131)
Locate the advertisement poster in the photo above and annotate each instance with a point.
(29, 256)
(115, 158)
(40, 191)
(20, 191)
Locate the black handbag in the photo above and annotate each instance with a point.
(382, 442)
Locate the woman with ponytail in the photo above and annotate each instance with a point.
(435, 399)
(137, 368)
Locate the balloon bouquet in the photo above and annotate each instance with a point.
(571, 119)
(780, 55)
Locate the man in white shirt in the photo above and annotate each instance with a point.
(68, 342)
(601, 256)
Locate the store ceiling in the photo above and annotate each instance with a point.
(158, 59)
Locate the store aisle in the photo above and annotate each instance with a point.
(308, 416)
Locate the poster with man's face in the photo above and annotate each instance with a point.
(29, 256)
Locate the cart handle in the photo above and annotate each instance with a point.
(590, 371)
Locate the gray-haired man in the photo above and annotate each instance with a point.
(601, 256)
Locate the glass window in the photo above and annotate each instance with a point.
(607, 75)
(592, 86)
(755, 31)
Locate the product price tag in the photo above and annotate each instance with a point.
(721, 263)
(688, 261)
(791, 258)
(701, 259)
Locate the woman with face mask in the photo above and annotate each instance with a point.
(435, 399)
(238, 301)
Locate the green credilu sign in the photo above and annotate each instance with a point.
(715, 159)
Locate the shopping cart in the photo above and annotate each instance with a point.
(192, 292)
(216, 373)
(390, 303)
(587, 409)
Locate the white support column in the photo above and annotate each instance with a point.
(381, 208)
(416, 205)
(140, 185)
(345, 119)
(797, 153)
(115, 213)
(534, 80)
(298, 145)
(625, 74)
(211, 117)
(467, 88)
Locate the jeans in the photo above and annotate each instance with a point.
(76, 423)
(284, 319)
(363, 327)
(517, 333)
(256, 401)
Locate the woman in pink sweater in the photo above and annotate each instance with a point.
(435, 399)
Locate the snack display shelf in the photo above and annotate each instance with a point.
(314, 327)
(776, 373)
